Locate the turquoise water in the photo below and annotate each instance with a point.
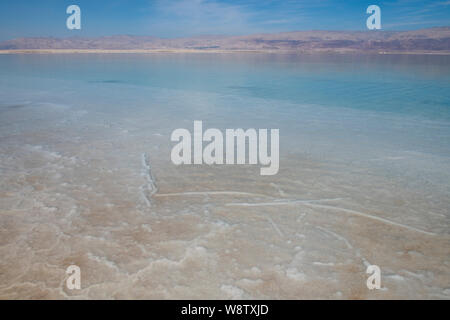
(334, 107)
(404, 84)
(364, 176)
(400, 101)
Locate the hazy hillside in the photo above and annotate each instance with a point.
(431, 40)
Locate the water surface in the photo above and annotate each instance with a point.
(364, 176)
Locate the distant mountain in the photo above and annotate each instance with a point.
(425, 40)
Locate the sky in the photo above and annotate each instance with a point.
(185, 18)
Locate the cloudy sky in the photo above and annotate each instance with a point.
(181, 18)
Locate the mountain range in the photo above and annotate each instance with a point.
(432, 40)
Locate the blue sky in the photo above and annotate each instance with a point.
(181, 18)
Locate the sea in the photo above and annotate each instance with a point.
(87, 179)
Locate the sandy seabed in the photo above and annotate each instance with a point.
(101, 193)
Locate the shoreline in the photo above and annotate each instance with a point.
(176, 51)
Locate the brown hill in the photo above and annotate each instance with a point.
(425, 40)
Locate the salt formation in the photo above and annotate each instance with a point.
(149, 188)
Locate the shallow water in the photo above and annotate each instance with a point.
(364, 177)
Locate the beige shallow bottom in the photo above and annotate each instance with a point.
(82, 195)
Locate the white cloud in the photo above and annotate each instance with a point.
(190, 17)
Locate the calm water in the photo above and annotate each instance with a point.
(367, 137)
(405, 84)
